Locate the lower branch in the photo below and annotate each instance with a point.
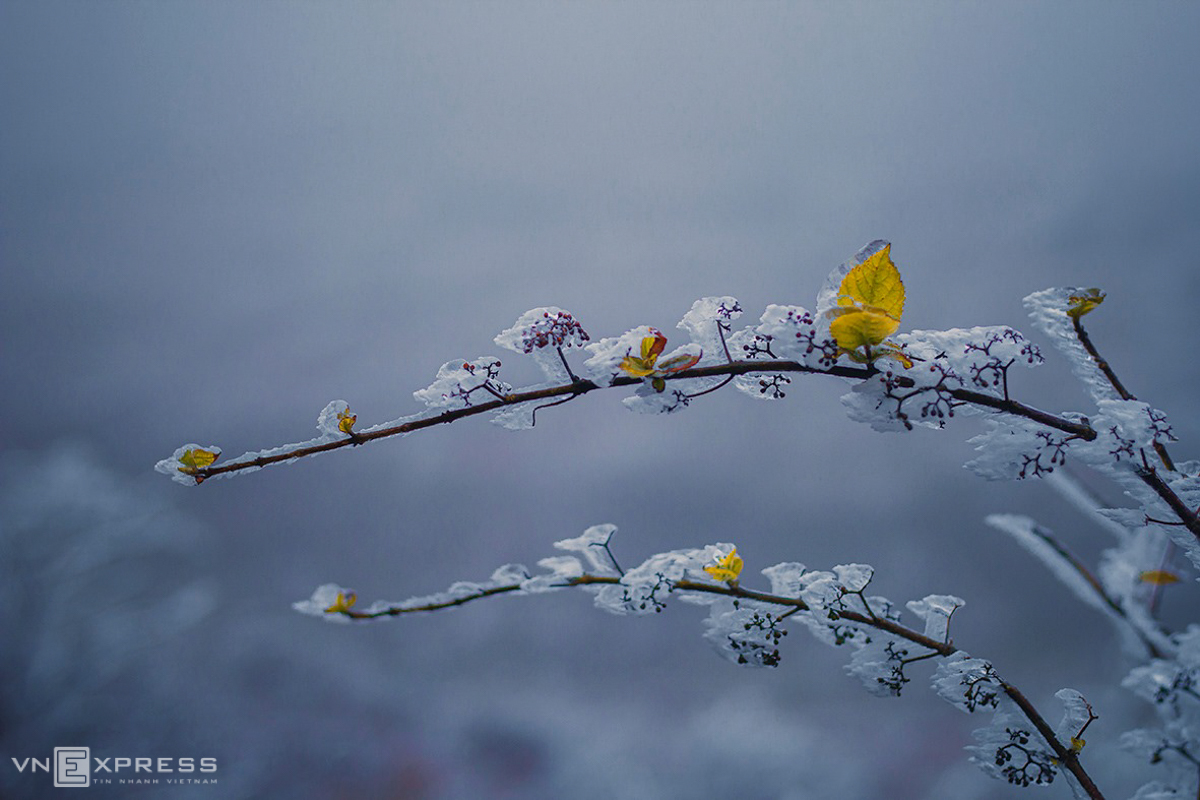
(1067, 757)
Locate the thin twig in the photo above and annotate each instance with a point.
(580, 387)
(1103, 365)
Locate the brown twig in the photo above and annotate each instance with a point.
(1102, 364)
(579, 387)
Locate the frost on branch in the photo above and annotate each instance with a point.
(746, 632)
(460, 384)
(1173, 687)
(639, 354)
(1012, 750)
(978, 359)
(646, 588)
(1121, 593)
(879, 663)
(783, 333)
(1015, 448)
(967, 683)
(593, 546)
(1127, 431)
(326, 597)
(936, 610)
(184, 462)
(336, 421)
(1050, 310)
(708, 322)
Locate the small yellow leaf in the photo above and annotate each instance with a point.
(196, 458)
(346, 421)
(1084, 302)
(1077, 744)
(727, 568)
(874, 284)
(1158, 577)
(344, 602)
(854, 328)
(889, 350)
(637, 367)
(653, 345)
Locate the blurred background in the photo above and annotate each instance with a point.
(217, 217)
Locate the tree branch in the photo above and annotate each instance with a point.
(1067, 757)
(1102, 364)
(579, 387)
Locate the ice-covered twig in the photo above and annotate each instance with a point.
(1066, 754)
(574, 389)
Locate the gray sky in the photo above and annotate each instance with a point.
(215, 218)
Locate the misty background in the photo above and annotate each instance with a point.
(217, 217)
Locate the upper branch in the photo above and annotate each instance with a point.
(580, 387)
(1067, 757)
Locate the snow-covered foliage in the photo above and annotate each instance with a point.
(898, 381)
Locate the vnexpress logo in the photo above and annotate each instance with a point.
(75, 767)
(72, 766)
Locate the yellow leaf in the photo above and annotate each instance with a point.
(874, 286)
(1084, 302)
(637, 367)
(889, 350)
(1158, 577)
(196, 458)
(727, 568)
(346, 421)
(653, 345)
(1077, 744)
(855, 328)
(344, 602)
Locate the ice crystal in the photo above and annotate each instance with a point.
(967, 683)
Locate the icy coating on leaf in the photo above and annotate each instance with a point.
(559, 572)
(936, 610)
(333, 417)
(593, 546)
(460, 384)
(180, 467)
(976, 358)
(967, 683)
(1013, 448)
(879, 664)
(604, 364)
(1076, 714)
(1126, 431)
(1012, 750)
(1048, 310)
(746, 632)
(786, 578)
(646, 588)
(706, 320)
(788, 333)
(323, 598)
(539, 333)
